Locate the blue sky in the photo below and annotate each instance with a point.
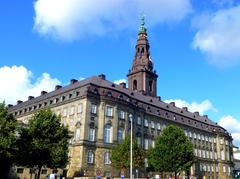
(195, 46)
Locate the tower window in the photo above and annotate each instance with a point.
(150, 86)
(135, 85)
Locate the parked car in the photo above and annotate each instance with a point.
(56, 176)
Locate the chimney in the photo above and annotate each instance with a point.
(185, 108)
(73, 81)
(10, 105)
(19, 101)
(58, 87)
(206, 116)
(197, 113)
(43, 93)
(172, 103)
(30, 97)
(123, 85)
(102, 76)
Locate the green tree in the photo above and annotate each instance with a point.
(120, 156)
(8, 126)
(44, 141)
(173, 152)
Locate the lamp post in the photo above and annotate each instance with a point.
(131, 133)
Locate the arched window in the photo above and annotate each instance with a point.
(90, 156)
(120, 134)
(150, 85)
(135, 85)
(107, 158)
(107, 133)
(91, 134)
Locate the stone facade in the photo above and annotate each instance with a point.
(97, 113)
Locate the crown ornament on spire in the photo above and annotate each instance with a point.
(142, 26)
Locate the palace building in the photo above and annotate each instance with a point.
(97, 113)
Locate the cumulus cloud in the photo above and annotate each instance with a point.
(73, 19)
(218, 36)
(233, 126)
(201, 107)
(120, 81)
(16, 84)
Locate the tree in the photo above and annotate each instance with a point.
(120, 156)
(173, 151)
(8, 126)
(44, 142)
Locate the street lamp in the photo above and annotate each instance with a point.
(131, 119)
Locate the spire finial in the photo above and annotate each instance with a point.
(142, 26)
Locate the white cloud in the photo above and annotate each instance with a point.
(218, 36)
(202, 107)
(233, 126)
(120, 81)
(73, 19)
(16, 84)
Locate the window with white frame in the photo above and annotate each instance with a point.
(199, 136)
(64, 112)
(107, 133)
(80, 108)
(216, 168)
(214, 140)
(199, 153)
(221, 141)
(146, 143)
(121, 114)
(72, 110)
(158, 126)
(202, 137)
(120, 134)
(186, 133)
(208, 168)
(91, 135)
(152, 125)
(77, 134)
(93, 108)
(107, 158)
(145, 122)
(210, 139)
(207, 154)
(203, 154)
(227, 154)
(206, 138)
(109, 111)
(212, 168)
(90, 157)
(139, 120)
(226, 142)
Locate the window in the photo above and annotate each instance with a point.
(145, 122)
(93, 108)
(214, 140)
(206, 138)
(135, 85)
(199, 153)
(80, 108)
(195, 152)
(216, 168)
(221, 141)
(207, 154)
(150, 85)
(65, 112)
(190, 134)
(107, 133)
(211, 155)
(72, 110)
(109, 111)
(20, 170)
(139, 120)
(120, 135)
(146, 142)
(107, 158)
(158, 126)
(152, 124)
(224, 169)
(212, 168)
(215, 155)
(90, 157)
(226, 142)
(153, 143)
(222, 155)
(208, 168)
(146, 162)
(91, 135)
(203, 154)
(199, 137)
(202, 137)
(121, 114)
(77, 134)
(139, 141)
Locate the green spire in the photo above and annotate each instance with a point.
(142, 26)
